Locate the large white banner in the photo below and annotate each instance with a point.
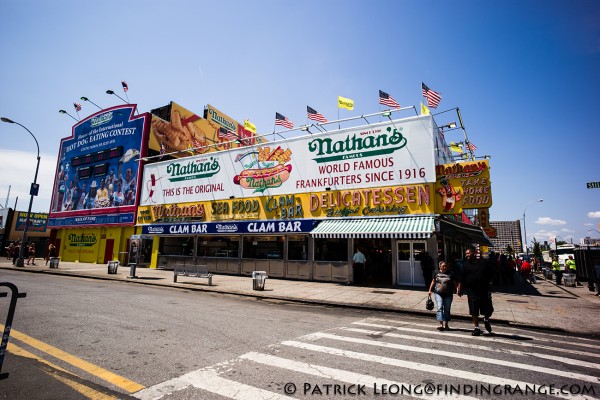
(392, 153)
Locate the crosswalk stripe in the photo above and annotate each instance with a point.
(540, 338)
(334, 374)
(208, 379)
(564, 360)
(450, 354)
(481, 338)
(432, 369)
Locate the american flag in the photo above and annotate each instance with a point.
(125, 87)
(433, 97)
(314, 115)
(226, 135)
(77, 106)
(283, 121)
(387, 100)
(471, 146)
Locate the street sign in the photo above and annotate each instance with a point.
(593, 185)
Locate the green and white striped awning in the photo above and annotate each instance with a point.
(408, 227)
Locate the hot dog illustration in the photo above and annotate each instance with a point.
(269, 177)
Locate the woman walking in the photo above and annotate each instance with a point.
(443, 286)
(31, 250)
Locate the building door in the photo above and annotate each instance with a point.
(378, 269)
(409, 266)
(108, 250)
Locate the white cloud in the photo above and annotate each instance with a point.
(593, 214)
(550, 221)
(17, 170)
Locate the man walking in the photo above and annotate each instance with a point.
(358, 265)
(475, 282)
(557, 272)
(572, 268)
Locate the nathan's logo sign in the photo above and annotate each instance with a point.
(221, 120)
(197, 169)
(83, 240)
(102, 119)
(176, 212)
(264, 169)
(357, 147)
(462, 170)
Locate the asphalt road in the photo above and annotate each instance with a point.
(110, 339)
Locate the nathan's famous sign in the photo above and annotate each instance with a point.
(384, 154)
(462, 186)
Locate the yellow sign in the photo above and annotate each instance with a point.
(393, 200)
(185, 134)
(463, 185)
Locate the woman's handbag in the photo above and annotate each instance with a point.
(429, 303)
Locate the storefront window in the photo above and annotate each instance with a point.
(263, 247)
(218, 246)
(403, 251)
(298, 248)
(176, 246)
(331, 249)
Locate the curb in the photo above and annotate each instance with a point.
(288, 299)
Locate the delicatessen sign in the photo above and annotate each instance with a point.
(400, 200)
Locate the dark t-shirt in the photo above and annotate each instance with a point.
(444, 285)
(475, 278)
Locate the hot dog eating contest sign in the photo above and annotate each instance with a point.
(385, 154)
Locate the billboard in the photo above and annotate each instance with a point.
(184, 133)
(97, 175)
(391, 153)
(37, 222)
(463, 185)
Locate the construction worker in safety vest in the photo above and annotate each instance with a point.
(570, 264)
(557, 272)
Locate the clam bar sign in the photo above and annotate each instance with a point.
(237, 227)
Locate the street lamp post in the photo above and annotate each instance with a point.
(33, 191)
(524, 226)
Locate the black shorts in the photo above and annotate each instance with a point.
(480, 305)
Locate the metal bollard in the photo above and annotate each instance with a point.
(132, 267)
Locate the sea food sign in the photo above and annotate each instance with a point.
(463, 185)
(394, 153)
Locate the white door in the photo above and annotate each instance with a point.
(409, 268)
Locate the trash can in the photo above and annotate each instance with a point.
(569, 280)
(54, 262)
(113, 266)
(258, 280)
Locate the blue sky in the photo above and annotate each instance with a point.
(525, 75)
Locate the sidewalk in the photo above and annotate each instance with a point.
(543, 305)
